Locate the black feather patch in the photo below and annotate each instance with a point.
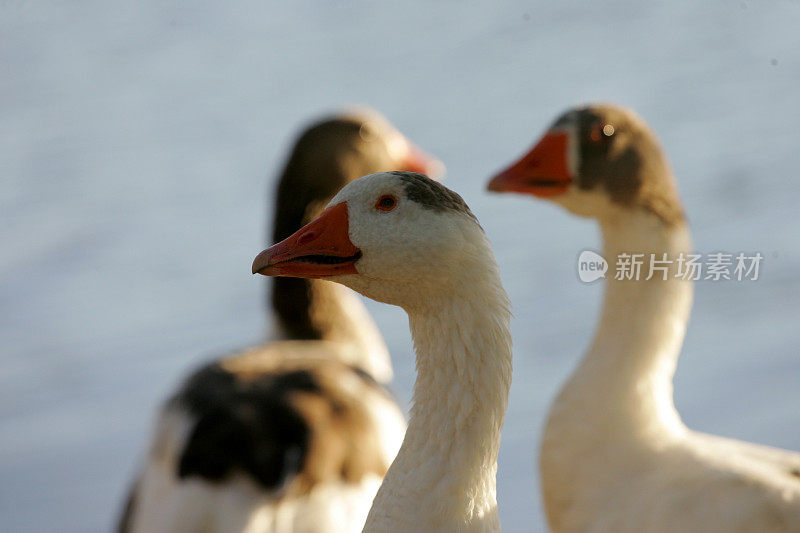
(245, 425)
(431, 194)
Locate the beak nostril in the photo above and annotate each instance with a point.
(306, 237)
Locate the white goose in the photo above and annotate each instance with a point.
(615, 455)
(294, 435)
(404, 239)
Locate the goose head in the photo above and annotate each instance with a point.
(600, 161)
(396, 237)
(380, 147)
(331, 153)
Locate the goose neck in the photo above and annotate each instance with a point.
(629, 367)
(445, 473)
(310, 309)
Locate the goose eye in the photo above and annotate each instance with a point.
(601, 132)
(387, 202)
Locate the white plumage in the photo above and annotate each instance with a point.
(616, 456)
(419, 247)
(295, 435)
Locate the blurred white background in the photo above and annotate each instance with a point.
(140, 140)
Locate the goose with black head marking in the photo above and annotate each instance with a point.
(294, 435)
(615, 455)
(403, 239)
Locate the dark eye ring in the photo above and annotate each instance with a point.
(387, 202)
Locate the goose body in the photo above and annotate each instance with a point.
(615, 455)
(403, 239)
(294, 435)
(280, 438)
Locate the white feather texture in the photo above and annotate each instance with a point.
(293, 435)
(437, 264)
(615, 455)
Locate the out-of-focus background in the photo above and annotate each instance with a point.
(140, 140)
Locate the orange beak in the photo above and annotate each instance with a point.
(542, 172)
(319, 249)
(417, 160)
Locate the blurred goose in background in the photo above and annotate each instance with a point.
(294, 435)
(403, 239)
(615, 455)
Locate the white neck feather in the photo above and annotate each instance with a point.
(622, 388)
(617, 408)
(444, 477)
